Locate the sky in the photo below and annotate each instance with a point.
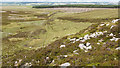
(59, 0)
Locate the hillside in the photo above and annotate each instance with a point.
(78, 39)
(97, 45)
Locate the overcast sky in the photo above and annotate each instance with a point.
(59, 0)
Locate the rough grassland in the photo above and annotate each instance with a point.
(23, 38)
(92, 16)
(34, 30)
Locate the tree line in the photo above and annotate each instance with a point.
(78, 6)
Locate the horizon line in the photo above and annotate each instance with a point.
(48, 1)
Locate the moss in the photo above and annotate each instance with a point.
(93, 64)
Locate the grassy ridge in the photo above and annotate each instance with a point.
(91, 16)
(77, 5)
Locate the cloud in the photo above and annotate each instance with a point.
(60, 0)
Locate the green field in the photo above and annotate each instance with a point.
(31, 32)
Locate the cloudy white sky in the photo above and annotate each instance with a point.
(59, 0)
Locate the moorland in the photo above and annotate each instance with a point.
(53, 36)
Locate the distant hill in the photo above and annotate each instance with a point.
(54, 3)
